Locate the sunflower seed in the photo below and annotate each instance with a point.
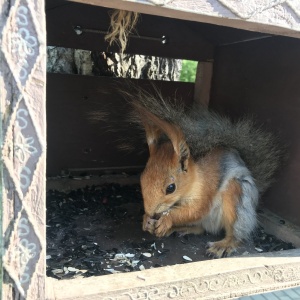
(129, 255)
(153, 245)
(134, 263)
(119, 256)
(258, 249)
(57, 271)
(113, 271)
(186, 258)
(71, 269)
(147, 254)
(141, 267)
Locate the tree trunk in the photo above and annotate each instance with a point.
(72, 61)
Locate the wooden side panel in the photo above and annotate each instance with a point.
(79, 144)
(23, 148)
(261, 78)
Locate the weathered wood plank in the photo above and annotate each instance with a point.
(261, 79)
(281, 17)
(203, 83)
(77, 143)
(213, 279)
(23, 145)
(180, 41)
(272, 224)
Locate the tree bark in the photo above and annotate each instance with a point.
(83, 62)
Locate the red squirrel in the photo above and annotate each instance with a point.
(204, 172)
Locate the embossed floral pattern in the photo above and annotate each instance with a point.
(22, 48)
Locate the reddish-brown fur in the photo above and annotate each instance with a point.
(197, 184)
(230, 198)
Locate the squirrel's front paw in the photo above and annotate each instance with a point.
(163, 226)
(149, 224)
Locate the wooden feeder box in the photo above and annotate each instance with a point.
(249, 64)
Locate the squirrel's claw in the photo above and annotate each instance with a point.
(221, 248)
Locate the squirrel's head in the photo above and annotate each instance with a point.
(166, 178)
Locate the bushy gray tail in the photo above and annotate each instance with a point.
(205, 130)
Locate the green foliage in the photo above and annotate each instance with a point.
(188, 71)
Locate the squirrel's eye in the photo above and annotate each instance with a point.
(170, 188)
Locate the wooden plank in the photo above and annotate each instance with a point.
(69, 184)
(190, 37)
(2, 23)
(261, 79)
(284, 230)
(225, 278)
(3, 18)
(181, 41)
(80, 145)
(23, 148)
(276, 17)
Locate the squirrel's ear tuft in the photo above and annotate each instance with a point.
(153, 134)
(184, 154)
(152, 130)
(155, 127)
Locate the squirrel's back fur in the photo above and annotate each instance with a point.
(205, 130)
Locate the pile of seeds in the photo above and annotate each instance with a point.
(97, 230)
